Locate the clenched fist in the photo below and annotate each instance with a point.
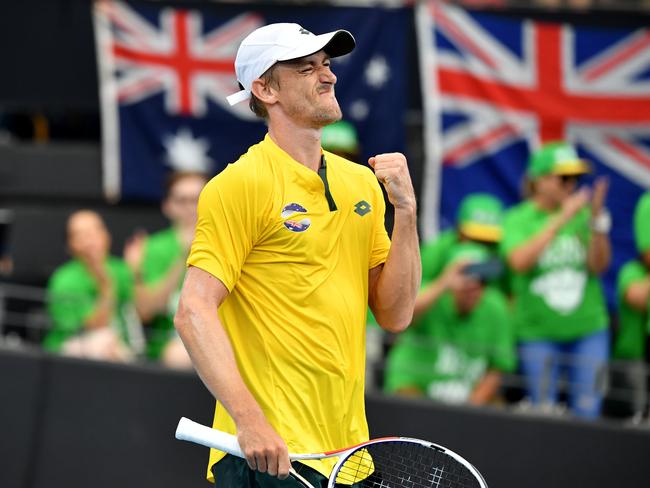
(392, 171)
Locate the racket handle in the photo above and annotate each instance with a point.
(191, 431)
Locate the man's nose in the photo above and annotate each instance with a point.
(327, 75)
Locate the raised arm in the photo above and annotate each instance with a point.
(599, 254)
(213, 357)
(152, 298)
(394, 285)
(525, 256)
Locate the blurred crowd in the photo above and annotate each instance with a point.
(506, 293)
(121, 308)
(516, 293)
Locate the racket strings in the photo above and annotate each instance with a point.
(403, 464)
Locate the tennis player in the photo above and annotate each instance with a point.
(290, 248)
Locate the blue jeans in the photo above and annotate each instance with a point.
(542, 362)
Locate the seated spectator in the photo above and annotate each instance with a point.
(89, 295)
(634, 290)
(159, 264)
(556, 244)
(630, 346)
(478, 220)
(455, 352)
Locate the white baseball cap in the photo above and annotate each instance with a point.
(267, 45)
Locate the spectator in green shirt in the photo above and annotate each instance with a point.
(458, 348)
(478, 220)
(556, 244)
(630, 352)
(634, 291)
(90, 295)
(159, 261)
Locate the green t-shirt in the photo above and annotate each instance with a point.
(435, 254)
(72, 292)
(557, 299)
(445, 354)
(631, 338)
(642, 223)
(162, 252)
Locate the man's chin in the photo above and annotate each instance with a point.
(327, 117)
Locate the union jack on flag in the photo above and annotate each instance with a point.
(165, 73)
(495, 87)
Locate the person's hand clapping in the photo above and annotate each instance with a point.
(134, 251)
(574, 203)
(599, 194)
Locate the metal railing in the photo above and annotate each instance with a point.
(624, 386)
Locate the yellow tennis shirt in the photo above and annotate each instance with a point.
(297, 272)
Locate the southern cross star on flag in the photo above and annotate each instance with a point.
(165, 73)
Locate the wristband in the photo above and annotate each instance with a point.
(602, 223)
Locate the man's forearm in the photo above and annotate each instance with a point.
(212, 355)
(399, 280)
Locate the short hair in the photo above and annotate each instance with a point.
(176, 176)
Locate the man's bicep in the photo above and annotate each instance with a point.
(202, 287)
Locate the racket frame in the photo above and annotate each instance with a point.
(191, 431)
(345, 454)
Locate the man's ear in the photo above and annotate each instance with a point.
(264, 91)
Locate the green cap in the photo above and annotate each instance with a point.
(469, 251)
(479, 217)
(642, 223)
(557, 158)
(340, 136)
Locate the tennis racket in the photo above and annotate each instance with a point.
(388, 462)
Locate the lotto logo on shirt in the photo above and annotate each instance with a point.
(295, 225)
(362, 208)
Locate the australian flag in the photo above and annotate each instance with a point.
(165, 73)
(497, 86)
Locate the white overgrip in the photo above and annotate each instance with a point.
(191, 431)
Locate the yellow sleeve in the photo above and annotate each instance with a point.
(228, 224)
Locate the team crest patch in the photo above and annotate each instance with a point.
(295, 225)
(292, 209)
(362, 208)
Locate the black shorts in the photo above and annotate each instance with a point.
(233, 472)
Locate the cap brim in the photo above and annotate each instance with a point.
(570, 168)
(337, 43)
(481, 232)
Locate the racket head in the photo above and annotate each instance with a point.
(403, 462)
